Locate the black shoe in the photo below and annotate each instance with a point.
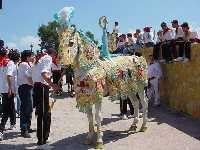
(41, 143)
(31, 130)
(25, 134)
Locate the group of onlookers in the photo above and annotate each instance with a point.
(169, 44)
(28, 77)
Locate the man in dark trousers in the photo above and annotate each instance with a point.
(41, 75)
(8, 90)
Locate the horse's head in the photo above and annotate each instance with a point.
(72, 41)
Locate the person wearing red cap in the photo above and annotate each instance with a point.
(8, 90)
(147, 37)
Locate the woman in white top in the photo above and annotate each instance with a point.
(25, 93)
(8, 90)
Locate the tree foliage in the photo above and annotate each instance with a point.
(49, 35)
(91, 36)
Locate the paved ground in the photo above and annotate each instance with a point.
(168, 130)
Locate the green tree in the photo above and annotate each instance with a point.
(49, 35)
(91, 36)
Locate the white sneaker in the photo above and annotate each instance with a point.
(162, 60)
(1, 136)
(140, 115)
(45, 147)
(186, 60)
(156, 104)
(12, 127)
(124, 117)
(179, 59)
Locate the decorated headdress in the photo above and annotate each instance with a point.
(64, 16)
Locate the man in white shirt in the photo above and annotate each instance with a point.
(154, 76)
(166, 44)
(147, 37)
(8, 90)
(178, 41)
(188, 38)
(41, 75)
(25, 93)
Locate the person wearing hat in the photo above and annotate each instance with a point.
(147, 37)
(178, 41)
(25, 91)
(166, 43)
(41, 76)
(8, 90)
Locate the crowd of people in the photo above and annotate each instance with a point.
(29, 77)
(169, 44)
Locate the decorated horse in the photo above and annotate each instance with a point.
(94, 67)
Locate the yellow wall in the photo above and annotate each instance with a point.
(180, 86)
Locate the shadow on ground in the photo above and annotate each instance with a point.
(176, 119)
(77, 142)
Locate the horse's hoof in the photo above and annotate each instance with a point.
(99, 145)
(143, 129)
(88, 142)
(132, 128)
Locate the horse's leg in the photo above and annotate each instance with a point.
(98, 118)
(135, 102)
(88, 140)
(144, 102)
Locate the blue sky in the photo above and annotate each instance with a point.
(20, 19)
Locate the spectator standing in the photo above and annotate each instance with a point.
(41, 75)
(69, 73)
(124, 100)
(154, 76)
(8, 90)
(57, 74)
(25, 91)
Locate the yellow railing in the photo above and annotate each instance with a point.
(180, 86)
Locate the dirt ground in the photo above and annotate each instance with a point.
(168, 130)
